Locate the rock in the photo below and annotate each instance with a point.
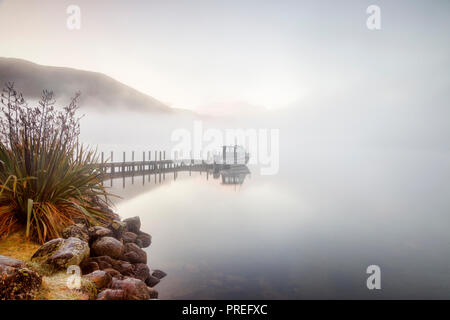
(61, 253)
(11, 262)
(134, 289)
(113, 273)
(152, 293)
(17, 282)
(152, 281)
(89, 266)
(134, 254)
(100, 259)
(139, 243)
(133, 224)
(108, 246)
(101, 279)
(124, 267)
(118, 228)
(141, 271)
(104, 262)
(145, 239)
(129, 237)
(99, 232)
(111, 294)
(159, 274)
(104, 265)
(78, 230)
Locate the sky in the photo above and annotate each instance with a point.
(207, 54)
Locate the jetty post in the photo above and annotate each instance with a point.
(123, 163)
(112, 162)
(143, 161)
(159, 162)
(164, 158)
(224, 154)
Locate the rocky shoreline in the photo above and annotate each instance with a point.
(110, 257)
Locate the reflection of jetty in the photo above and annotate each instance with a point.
(232, 171)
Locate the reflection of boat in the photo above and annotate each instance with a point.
(232, 155)
(234, 175)
(231, 165)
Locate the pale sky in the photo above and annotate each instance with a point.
(200, 54)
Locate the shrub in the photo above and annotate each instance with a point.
(47, 179)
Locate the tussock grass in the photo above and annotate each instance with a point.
(16, 246)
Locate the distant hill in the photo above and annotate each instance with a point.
(98, 90)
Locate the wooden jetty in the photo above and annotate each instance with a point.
(160, 164)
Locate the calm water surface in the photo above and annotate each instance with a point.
(308, 232)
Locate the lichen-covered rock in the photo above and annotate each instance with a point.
(78, 230)
(133, 224)
(111, 294)
(141, 271)
(17, 282)
(134, 254)
(129, 237)
(100, 278)
(159, 274)
(108, 246)
(134, 289)
(118, 267)
(118, 228)
(99, 232)
(61, 253)
(145, 240)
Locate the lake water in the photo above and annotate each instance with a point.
(308, 232)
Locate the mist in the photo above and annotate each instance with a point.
(362, 150)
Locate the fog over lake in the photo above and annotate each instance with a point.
(354, 188)
(363, 179)
(361, 158)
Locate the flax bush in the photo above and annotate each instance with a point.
(47, 179)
